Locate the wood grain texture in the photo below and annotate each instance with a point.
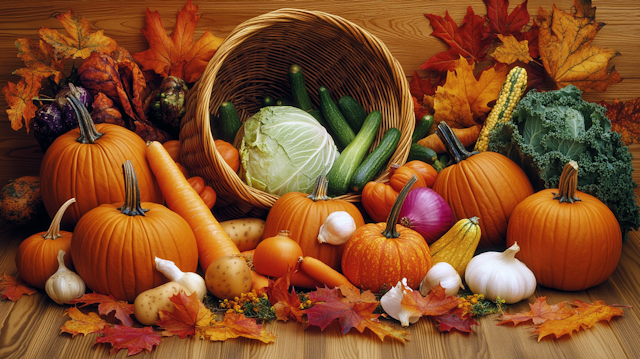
(30, 328)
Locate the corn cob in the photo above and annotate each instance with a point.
(510, 93)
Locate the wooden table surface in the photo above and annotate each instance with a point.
(30, 328)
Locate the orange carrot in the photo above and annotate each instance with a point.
(258, 281)
(173, 148)
(323, 273)
(209, 196)
(467, 136)
(300, 279)
(197, 183)
(213, 241)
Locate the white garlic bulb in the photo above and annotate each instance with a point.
(500, 274)
(391, 302)
(444, 274)
(64, 285)
(337, 228)
(193, 282)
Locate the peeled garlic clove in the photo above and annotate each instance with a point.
(391, 302)
(337, 228)
(64, 285)
(444, 274)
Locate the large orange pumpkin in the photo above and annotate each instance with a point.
(569, 239)
(85, 163)
(303, 214)
(37, 256)
(114, 245)
(486, 185)
(378, 255)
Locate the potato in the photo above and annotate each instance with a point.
(148, 304)
(228, 277)
(246, 233)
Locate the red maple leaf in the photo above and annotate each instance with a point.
(449, 321)
(531, 36)
(108, 304)
(501, 22)
(465, 40)
(285, 303)
(177, 55)
(351, 309)
(13, 288)
(133, 339)
(625, 116)
(188, 317)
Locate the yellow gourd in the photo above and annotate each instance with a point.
(458, 245)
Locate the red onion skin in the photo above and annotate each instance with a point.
(427, 213)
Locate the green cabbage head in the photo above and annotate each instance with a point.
(285, 149)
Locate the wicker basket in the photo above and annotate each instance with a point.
(253, 62)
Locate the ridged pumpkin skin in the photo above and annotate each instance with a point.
(372, 262)
(114, 252)
(486, 185)
(92, 173)
(21, 201)
(303, 217)
(377, 200)
(568, 246)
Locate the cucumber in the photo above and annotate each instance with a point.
(345, 166)
(298, 89)
(229, 121)
(352, 111)
(268, 101)
(336, 121)
(376, 161)
(422, 128)
(284, 101)
(421, 153)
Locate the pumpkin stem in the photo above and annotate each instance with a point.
(319, 192)
(454, 147)
(88, 132)
(390, 231)
(54, 228)
(131, 206)
(568, 183)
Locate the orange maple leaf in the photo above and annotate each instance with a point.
(106, 305)
(188, 317)
(585, 316)
(437, 302)
(540, 312)
(237, 325)
(177, 55)
(286, 304)
(567, 53)
(462, 100)
(79, 41)
(39, 60)
(20, 98)
(512, 50)
(625, 116)
(134, 340)
(81, 323)
(13, 288)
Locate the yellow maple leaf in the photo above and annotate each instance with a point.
(585, 317)
(512, 50)
(236, 325)
(462, 101)
(20, 99)
(39, 60)
(79, 41)
(81, 323)
(566, 51)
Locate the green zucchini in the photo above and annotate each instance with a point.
(345, 166)
(352, 111)
(422, 153)
(284, 101)
(299, 92)
(229, 121)
(422, 128)
(335, 119)
(377, 160)
(317, 114)
(268, 101)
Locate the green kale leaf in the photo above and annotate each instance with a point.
(548, 129)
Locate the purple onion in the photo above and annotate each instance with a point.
(48, 125)
(427, 213)
(69, 118)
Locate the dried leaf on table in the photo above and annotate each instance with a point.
(501, 22)
(449, 321)
(437, 302)
(13, 288)
(351, 309)
(106, 305)
(189, 317)
(585, 316)
(540, 312)
(625, 118)
(285, 303)
(20, 99)
(81, 323)
(39, 60)
(567, 53)
(465, 40)
(177, 55)
(512, 50)
(134, 340)
(236, 325)
(79, 41)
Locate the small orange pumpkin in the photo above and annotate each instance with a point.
(378, 199)
(37, 256)
(426, 170)
(21, 200)
(400, 175)
(303, 214)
